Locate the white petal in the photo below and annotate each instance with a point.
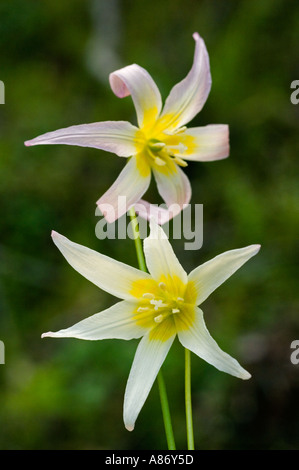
(213, 273)
(208, 143)
(148, 360)
(113, 136)
(198, 340)
(160, 257)
(108, 274)
(136, 81)
(175, 189)
(187, 97)
(151, 211)
(128, 188)
(114, 322)
(173, 186)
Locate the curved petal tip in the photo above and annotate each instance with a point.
(129, 427)
(245, 375)
(44, 335)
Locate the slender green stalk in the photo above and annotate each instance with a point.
(188, 403)
(166, 412)
(161, 383)
(137, 240)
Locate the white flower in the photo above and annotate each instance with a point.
(155, 306)
(160, 144)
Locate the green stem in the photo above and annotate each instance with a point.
(137, 240)
(166, 412)
(188, 403)
(161, 383)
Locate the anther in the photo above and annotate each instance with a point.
(175, 310)
(142, 309)
(180, 299)
(178, 131)
(159, 161)
(157, 145)
(180, 161)
(162, 285)
(158, 319)
(158, 304)
(148, 295)
(181, 148)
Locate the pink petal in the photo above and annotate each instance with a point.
(149, 211)
(128, 188)
(113, 136)
(187, 97)
(135, 81)
(174, 187)
(206, 143)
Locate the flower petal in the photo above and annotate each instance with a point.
(175, 189)
(160, 257)
(202, 144)
(136, 81)
(108, 274)
(118, 137)
(173, 185)
(149, 357)
(128, 188)
(213, 273)
(151, 211)
(114, 322)
(198, 340)
(187, 97)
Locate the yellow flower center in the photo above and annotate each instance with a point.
(164, 307)
(160, 149)
(160, 153)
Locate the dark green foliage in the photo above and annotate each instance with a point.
(55, 59)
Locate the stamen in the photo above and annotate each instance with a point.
(180, 299)
(148, 295)
(158, 304)
(159, 161)
(175, 310)
(180, 147)
(142, 309)
(178, 131)
(180, 161)
(162, 285)
(158, 319)
(157, 145)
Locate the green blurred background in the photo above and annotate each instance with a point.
(55, 59)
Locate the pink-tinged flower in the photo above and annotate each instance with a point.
(157, 306)
(160, 144)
